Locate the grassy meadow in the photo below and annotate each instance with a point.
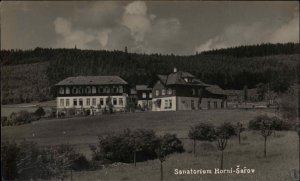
(281, 158)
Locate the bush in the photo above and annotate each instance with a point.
(4, 121)
(171, 144)
(277, 123)
(202, 131)
(121, 147)
(40, 112)
(27, 162)
(257, 121)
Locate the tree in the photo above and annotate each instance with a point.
(264, 124)
(261, 91)
(239, 128)
(223, 133)
(167, 145)
(201, 132)
(40, 112)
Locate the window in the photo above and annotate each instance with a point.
(115, 90)
(193, 92)
(208, 104)
(121, 101)
(94, 101)
(222, 104)
(215, 104)
(186, 79)
(121, 89)
(67, 90)
(150, 95)
(166, 104)
(100, 90)
(75, 102)
(107, 90)
(199, 92)
(74, 90)
(88, 90)
(157, 92)
(80, 91)
(114, 101)
(93, 90)
(61, 102)
(61, 90)
(107, 100)
(192, 104)
(80, 102)
(101, 101)
(88, 101)
(170, 91)
(144, 95)
(67, 102)
(170, 102)
(163, 92)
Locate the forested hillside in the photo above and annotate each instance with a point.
(225, 69)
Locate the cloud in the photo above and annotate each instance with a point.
(136, 19)
(99, 26)
(253, 33)
(71, 37)
(288, 32)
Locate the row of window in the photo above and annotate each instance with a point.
(170, 91)
(215, 104)
(91, 102)
(91, 90)
(164, 92)
(144, 95)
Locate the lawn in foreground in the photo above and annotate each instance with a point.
(281, 159)
(80, 132)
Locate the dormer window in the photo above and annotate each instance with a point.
(61, 90)
(100, 89)
(80, 91)
(187, 79)
(120, 89)
(88, 90)
(93, 90)
(67, 90)
(74, 90)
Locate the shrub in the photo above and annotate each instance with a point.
(40, 112)
(121, 147)
(71, 111)
(171, 144)
(276, 123)
(4, 121)
(27, 162)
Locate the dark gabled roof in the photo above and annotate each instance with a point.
(177, 78)
(142, 87)
(215, 89)
(92, 80)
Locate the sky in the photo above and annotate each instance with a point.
(178, 27)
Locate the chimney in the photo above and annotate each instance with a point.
(175, 69)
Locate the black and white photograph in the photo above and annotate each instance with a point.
(150, 90)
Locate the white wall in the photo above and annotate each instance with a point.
(163, 106)
(185, 103)
(204, 103)
(84, 99)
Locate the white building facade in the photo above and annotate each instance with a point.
(92, 94)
